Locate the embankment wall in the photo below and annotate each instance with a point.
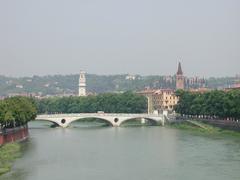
(13, 134)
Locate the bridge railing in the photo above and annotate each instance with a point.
(100, 114)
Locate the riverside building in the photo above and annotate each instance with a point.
(160, 99)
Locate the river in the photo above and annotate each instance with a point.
(125, 153)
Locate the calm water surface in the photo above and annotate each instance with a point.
(126, 153)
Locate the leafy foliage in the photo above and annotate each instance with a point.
(213, 103)
(16, 111)
(127, 102)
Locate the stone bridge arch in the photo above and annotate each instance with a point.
(64, 120)
(92, 117)
(49, 120)
(61, 121)
(152, 120)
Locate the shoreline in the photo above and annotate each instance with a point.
(202, 128)
(10, 147)
(9, 152)
(13, 134)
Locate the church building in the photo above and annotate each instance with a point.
(179, 78)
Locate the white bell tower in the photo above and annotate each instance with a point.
(82, 84)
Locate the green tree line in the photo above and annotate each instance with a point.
(127, 102)
(213, 104)
(16, 111)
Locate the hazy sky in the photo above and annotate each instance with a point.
(119, 36)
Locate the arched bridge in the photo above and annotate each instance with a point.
(64, 120)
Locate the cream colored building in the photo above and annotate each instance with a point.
(160, 99)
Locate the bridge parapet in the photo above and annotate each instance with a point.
(114, 118)
(98, 114)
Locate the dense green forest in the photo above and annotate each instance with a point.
(214, 104)
(127, 102)
(16, 111)
(60, 84)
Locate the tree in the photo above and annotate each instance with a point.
(221, 104)
(16, 111)
(127, 102)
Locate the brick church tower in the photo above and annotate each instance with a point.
(179, 78)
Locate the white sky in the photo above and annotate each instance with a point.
(114, 37)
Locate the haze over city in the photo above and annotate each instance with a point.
(127, 89)
(115, 37)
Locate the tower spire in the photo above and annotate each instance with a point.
(179, 77)
(179, 71)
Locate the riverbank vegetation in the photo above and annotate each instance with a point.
(212, 104)
(127, 102)
(201, 127)
(16, 111)
(8, 153)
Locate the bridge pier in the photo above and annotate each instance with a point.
(143, 120)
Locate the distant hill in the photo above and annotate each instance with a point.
(68, 84)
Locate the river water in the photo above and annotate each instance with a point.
(126, 153)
